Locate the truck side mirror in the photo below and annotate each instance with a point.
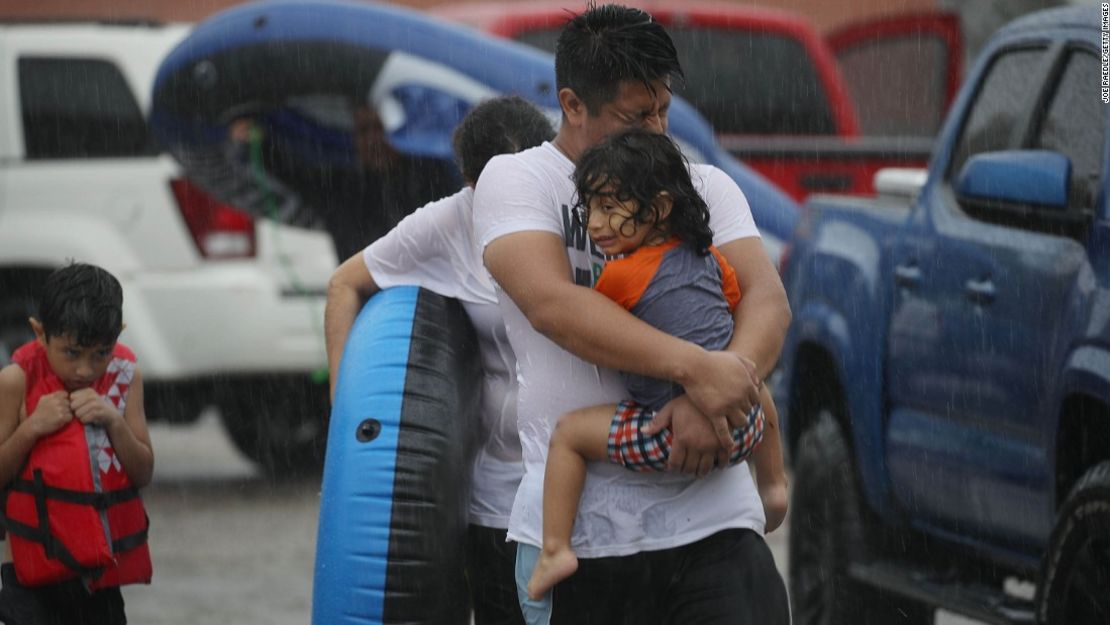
(1034, 178)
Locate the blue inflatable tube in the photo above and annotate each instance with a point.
(390, 542)
(264, 58)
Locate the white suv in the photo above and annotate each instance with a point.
(220, 309)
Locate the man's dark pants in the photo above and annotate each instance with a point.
(729, 578)
(490, 572)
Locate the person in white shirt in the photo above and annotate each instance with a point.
(653, 548)
(433, 248)
(638, 202)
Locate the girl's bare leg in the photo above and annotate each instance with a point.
(770, 476)
(579, 437)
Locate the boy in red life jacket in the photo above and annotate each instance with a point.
(74, 449)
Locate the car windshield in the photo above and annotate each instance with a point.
(744, 82)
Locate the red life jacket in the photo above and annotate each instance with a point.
(73, 512)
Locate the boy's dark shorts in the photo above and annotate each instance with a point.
(67, 603)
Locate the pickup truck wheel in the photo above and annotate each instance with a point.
(828, 533)
(14, 329)
(825, 528)
(279, 424)
(1075, 574)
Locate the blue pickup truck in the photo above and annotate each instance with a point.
(945, 384)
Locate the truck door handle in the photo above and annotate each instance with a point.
(907, 275)
(979, 291)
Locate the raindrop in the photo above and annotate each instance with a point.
(205, 74)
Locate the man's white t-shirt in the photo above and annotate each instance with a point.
(621, 512)
(433, 248)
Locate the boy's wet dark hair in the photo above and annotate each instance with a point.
(84, 302)
(607, 45)
(502, 125)
(638, 165)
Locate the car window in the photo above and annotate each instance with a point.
(1004, 94)
(742, 81)
(912, 72)
(79, 108)
(1075, 126)
(752, 83)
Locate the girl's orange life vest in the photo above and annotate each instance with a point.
(73, 512)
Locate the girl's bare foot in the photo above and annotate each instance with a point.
(552, 568)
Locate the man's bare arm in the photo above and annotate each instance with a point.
(349, 288)
(759, 327)
(763, 315)
(533, 270)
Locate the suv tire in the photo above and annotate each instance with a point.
(279, 423)
(14, 329)
(1075, 574)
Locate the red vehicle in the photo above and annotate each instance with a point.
(812, 114)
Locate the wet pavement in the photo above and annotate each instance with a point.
(228, 546)
(231, 547)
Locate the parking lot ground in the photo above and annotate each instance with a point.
(230, 547)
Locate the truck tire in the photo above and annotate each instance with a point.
(828, 533)
(1075, 574)
(280, 424)
(14, 329)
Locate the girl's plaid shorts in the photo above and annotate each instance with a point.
(636, 451)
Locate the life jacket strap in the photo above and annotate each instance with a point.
(100, 501)
(131, 541)
(53, 547)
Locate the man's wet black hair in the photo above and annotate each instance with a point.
(84, 302)
(638, 165)
(610, 44)
(501, 125)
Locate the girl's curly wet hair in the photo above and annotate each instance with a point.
(639, 165)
